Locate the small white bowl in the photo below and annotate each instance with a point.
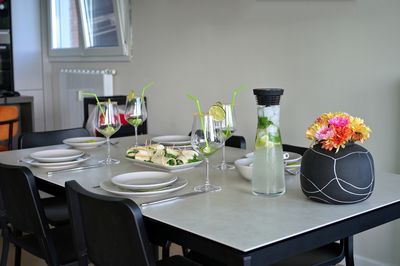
(244, 168)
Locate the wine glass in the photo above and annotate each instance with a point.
(107, 123)
(227, 126)
(135, 113)
(206, 139)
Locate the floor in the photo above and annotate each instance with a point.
(30, 260)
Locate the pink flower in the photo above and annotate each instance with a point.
(324, 133)
(339, 121)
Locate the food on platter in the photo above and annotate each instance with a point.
(162, 155)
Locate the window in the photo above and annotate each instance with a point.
(89, 28)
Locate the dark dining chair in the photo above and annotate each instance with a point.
(24, 223)
(45, 138)
(119, 237)
(236, 142)
(295, 149)
(126, 130)
(55, 207)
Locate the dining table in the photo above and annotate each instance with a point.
(232, 226)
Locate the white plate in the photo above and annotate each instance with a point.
(58, 155)
(108, 186)
(165, 167)
(293, 157)
(85, 142)
(172, 140)
(144, 180)
(58, 165)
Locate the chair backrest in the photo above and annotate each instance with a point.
(21, 207)
(236, 142)
(45, 138)
(126, 130)
(9, 119)
(110, 230)
(296, 149)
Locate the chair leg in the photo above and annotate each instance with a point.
(17, 256)
(17, 250)
(4, 251)
(165, 249)
(185, 251)
(348, 245)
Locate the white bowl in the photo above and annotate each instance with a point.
(244, 168)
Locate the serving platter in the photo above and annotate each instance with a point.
(165, 167)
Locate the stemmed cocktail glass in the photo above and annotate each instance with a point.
(135, 113)
(206, 140)
(227, 126)
(107, 123)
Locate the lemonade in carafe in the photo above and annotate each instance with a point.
(268, 177)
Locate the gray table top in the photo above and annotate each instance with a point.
(234, 216)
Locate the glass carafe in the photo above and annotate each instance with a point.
(268, 177)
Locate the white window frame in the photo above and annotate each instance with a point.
(123, 12)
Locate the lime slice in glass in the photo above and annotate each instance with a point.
(217, 112)
(131, 95)
(261, 142)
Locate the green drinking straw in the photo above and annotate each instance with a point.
(235, 92)
(145, 87)
(197, 102)
(92, 94)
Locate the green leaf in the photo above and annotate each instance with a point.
(263, 122)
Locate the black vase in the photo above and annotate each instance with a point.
(345, 177)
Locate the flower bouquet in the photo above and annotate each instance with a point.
(335, 170)
(335, 130)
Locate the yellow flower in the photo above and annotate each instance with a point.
(361, 131)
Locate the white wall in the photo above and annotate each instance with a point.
(328, 55)
(27, 55)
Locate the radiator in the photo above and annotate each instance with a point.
(72, 81)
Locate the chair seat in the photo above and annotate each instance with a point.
(63, 242)
(56, 210)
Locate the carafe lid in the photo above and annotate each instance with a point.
(267, 97)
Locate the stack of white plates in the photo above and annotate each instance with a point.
(143, 183)
(56, 159)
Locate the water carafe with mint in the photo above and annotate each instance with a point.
(268, 177)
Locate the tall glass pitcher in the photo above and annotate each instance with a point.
(268, 177)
